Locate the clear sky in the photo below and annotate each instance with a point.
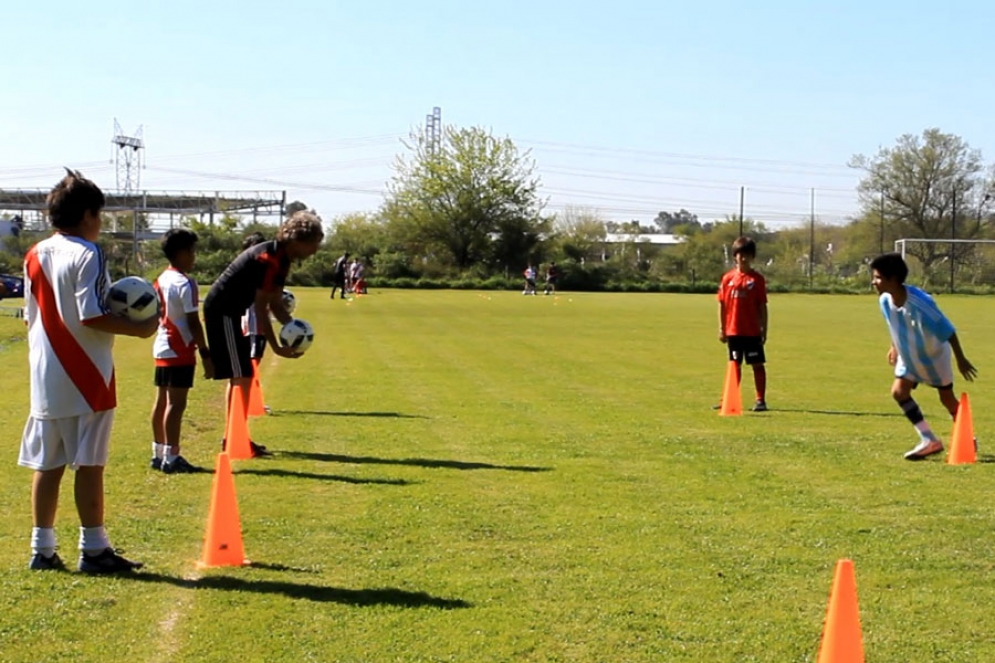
(629, 107)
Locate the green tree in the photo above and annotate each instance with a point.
(921, 183)
(459, 198)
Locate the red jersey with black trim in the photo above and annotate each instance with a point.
(743, 295)
(174, 343)
(261, 267)
(71, 365)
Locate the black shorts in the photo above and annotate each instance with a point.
(749, 348)
(257, 346)
(231, 353)
(178, 377)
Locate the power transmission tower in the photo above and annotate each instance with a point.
(128, 158)
(433, 130)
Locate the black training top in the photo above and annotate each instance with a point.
(261, 267)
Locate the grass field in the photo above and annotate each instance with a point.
(464, 476)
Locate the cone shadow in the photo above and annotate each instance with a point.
(414, 462)
(323, 477)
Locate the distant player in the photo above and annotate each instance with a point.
(179, 338)
(743, 316)
(552, 276)
(530, 281)
(73, 396)
(921, 341)
(255, 279)
(339, 275)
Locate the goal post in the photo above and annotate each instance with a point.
(955, 263)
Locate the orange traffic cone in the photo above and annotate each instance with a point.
(237, 431)
(841, 640)
(962, 449)
(257, 406)
(732, 401)
(223, 540)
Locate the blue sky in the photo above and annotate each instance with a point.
(629, 107)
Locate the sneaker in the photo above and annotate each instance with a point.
(258, 449)
(717, 406)
(41, 563)
(156, 464)
(179, 466)
(267, 409)
(760, 406)
(924, 449)
(108, 561)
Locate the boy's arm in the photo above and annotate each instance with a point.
(197, 329)
(722, 321)
(763, 322)
(963, 365)
(266, 302)
(122, 326)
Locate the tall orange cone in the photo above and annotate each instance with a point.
(237, 432)
(257, 406)
(962, 449)
(732, 401)
(841, 640)
(223, 539)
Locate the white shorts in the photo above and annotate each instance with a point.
(48, 444)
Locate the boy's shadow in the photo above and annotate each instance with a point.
(318, 593)
(416, 462)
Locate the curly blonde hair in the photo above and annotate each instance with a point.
(302, 226)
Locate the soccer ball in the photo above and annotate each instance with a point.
(297, 334)
(133, 297)
(289, 301)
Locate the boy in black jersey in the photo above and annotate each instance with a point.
(255, 278)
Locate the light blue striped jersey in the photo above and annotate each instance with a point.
(921, 334)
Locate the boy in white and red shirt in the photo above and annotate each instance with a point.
(178, 339)
(73, 396)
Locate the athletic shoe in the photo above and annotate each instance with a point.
(179, 466)
(924, 449)
(41, 563)
(258, 450)
(156, 464)
(107, 561)
(760, 406)
(267, 409)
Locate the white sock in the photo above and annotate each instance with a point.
(43, 541)
(171, 454)
(158, 450)
(925, 432)
(93, 540)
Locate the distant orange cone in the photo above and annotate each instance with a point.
(841, 640)
(237, 432)
(257, 406)
(223, 539)
(962, 449)
(732, 401)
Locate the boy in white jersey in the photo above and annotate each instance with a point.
(179, 337)
(73, 397)
(921, 342)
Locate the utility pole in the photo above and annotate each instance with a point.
(811, 242)
(953, 235)
(128, 157)
(881, 247)
(742, 198)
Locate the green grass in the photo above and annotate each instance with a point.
(487, 477)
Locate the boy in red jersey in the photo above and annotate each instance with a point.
(70, 354)
(743, 316)
(178, 340)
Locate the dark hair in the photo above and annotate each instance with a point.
(302, 226)
(72, 198)
(176, 240)
(891, 266)
(252, 239)
(746, 246)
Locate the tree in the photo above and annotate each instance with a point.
(295, 206)
(469, 198)
(921, 183)
(672, 223)
(581, 234)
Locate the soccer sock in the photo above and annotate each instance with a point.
(760, 381)
(171, 454)
(914, 415)
(93, 540)
(158, 450)
(43, 541)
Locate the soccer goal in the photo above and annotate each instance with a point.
(949, 263)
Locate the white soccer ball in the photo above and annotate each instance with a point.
(133, 297)
(289, 301)
(297, 334)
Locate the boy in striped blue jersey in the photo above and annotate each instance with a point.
(922, 339)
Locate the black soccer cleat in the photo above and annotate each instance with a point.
(41, 563)
(179, 466)
(108, 561)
